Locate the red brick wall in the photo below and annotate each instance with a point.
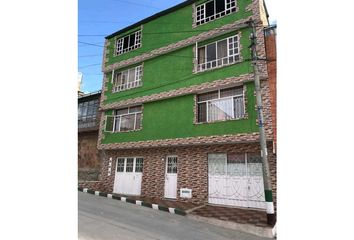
(192, 168)
(88, 158)
(270, 44)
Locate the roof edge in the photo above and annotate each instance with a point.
(148, 19)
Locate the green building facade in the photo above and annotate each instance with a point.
(178, 104)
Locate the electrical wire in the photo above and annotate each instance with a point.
(187, 77)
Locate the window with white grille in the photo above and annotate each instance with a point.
(127, 79)
(128, 43)
(222, 104)
(214, 9)
(125, 119)
(219, 53)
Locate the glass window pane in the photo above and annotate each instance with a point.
(126, 42)
(139, 165)
(220, 6)
(239, 107)
(117, 122)
(135, 109)
(122, 111)
(131, 75)
(138, 121)
(210, 11)
(132, 40)
(236, 164)
(228, 92)
(201, 55)
(211, 52)
(120, 165)
(222, 49)
(130, 163)
(208, 96)
(127, 122)
(254, 164)
(202, 112)
(217, 164)
(220, 110)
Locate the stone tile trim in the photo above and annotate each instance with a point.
(189, 141)
(260, 45)
(182, 91)
(137, 202)
(105, 53)
(181, 44)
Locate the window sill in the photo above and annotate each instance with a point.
(219, 121)
(127, 89)
(136, 130)
(215, 68)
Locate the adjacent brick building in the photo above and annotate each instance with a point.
(89, 164)
(178, 106)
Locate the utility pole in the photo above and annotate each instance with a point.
(262, 137)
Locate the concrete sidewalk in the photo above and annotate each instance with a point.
(245, 220)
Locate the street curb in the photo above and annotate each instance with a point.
(267, 232)
(177, 211)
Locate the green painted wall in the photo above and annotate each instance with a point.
(178, 24)
(173, 118)
(174, 70)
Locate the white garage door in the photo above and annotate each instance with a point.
(236, 180)
(128, 176)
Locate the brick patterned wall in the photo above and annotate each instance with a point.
(87, 150)
(93, 185)
(89, 164)
(272, 74)
(192, 168)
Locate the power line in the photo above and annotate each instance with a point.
(94, 55)
(138, 4)
(156, 33)
(91, 65)
(187, 77)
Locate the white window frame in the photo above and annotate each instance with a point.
(116, 117)
(200, 11)
(134, 164)
(222, 98)
(233, 54)
(120, 43)
(138, 73)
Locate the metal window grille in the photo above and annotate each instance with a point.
(222, 104)
(127, 79)
(126, 119)
(87, 114)
(171, 164)
(120, 165)
(225, 55)
(131, 44)
(139, 164)
(218, 9)
(129, 165)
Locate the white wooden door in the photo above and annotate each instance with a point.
(171, 177)
(128, 176)
(236, 180)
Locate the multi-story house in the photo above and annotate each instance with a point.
(178, 105)
(89, 163)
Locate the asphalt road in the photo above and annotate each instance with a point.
(103, 218)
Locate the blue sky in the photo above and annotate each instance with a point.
(103, 17)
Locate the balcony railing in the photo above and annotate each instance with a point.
(87, 123)
(218, 63)
(127, 86)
